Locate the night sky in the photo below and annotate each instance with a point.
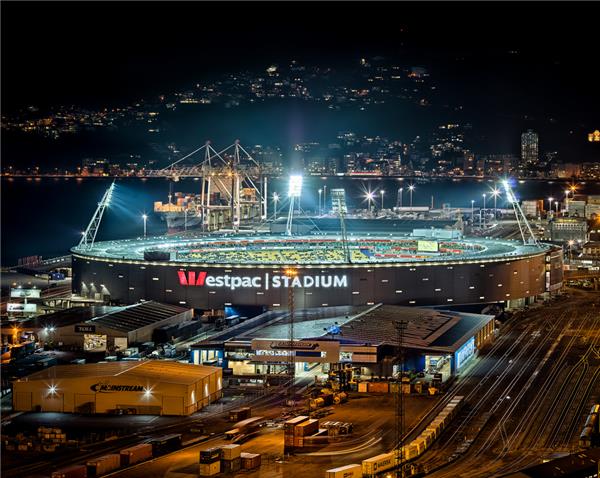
(113, 53)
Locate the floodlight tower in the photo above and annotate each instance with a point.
(89, 236)
(294, 192)
(521, 219)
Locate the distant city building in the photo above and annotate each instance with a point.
(532, 208)
(566, 229)
(529, 147)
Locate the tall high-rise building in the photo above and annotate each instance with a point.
(529, 147)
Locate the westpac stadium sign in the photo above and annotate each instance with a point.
(266, 281)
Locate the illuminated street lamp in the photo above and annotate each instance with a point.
(472, 211)
(320, 192)
(550, 202)
(484, 197)
(382, 192)
(400, 197)
(369, 197)
(145, 218)
(495, 194)
(571, 242)
(411, 188)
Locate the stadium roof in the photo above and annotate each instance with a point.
(235, 250)
(67, 317)
(154, 370)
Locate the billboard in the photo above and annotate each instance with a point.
(94, 343)
(24, 308)
(427, 246)
(25, 293)
(278, 350)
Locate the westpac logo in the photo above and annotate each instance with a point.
(266, 281)
(192, 278)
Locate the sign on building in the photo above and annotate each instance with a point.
(23, 308)
(303, 350)
(25, 293)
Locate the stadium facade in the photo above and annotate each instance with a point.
(214, 272)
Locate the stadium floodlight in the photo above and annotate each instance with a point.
(295, 186)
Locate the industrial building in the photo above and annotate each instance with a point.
(365, 338)
(149, 387)
(104, 328)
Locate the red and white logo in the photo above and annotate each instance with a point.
(191, 278)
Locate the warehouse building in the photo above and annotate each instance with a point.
(365, 338)
(101, 329)
(151, 387)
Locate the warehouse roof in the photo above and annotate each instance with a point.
(583, 463)
(426, 328)
(154, 370)
(66, 317)
(137, 316)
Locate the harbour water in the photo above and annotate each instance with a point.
(45, 216)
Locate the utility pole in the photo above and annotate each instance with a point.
(291, 274)
(399, 428)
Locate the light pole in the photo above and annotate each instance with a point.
(145, 218)
(325, 197)
(550, 202)
(556, 204)
(382, 192)
(472, 211)
(320, 192)
(571, 242)
(484, 196)
(567, 200)
(411, 188)
(275, 201)
(400, 197)
(495, 193)
(185, 219)
(369, 196)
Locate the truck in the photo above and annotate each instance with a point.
(103, 465)
(136, 454)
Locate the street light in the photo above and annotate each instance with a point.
(320, 192)
(571, 242)
(472, 211)
(567, 200)
(145, 218)
(369, 197)
(411, 188)
(400, 197)
(495, 194)
(484, 196)
(275, 201)
(556, 204)
(382, 192)
(550, 202)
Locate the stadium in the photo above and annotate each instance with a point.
(213, 271)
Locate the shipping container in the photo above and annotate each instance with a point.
(377, 464)
(75, 471)
(307, 428)
(231, 466)
(298, 442)
(362, 387)
(250, 461)
(289, 425)
(240, 414)
(378, 387)
(209, 469)
(103, 465)
(166, 444)
(348, 471)
(210, 455)
(230, 452)
(136, 454)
